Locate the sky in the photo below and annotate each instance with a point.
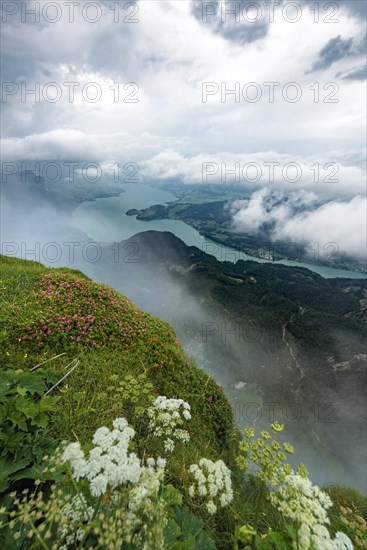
(150, 82)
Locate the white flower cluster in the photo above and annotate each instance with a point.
(149, 482)
(148, 485)
(319, 537)
(109, 463)
(165, 418)
(213, 482)
(298, 499)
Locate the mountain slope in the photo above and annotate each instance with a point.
(285, 335)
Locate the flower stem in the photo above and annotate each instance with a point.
(90, 522)
(38, 536)
(76, 487)
(257, 513)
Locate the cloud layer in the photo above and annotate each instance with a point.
(299, 218)
(264, 106)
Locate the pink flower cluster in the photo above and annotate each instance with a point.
(85, 313)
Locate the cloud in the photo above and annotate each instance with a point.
(266, 207)
(355, 7)
(171, 132)
(70, 144)
(301, 218)
(355, 73)
(244, 21)
(343, 223)
(170, 67)
(337, 48)
(239, 22)
(320, 175)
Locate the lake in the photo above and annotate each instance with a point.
(106, 220)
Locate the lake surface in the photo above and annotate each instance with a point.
(105, 220)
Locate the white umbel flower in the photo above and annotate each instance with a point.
(212, 482)
(307, 505)
(166, 416)
(110, 464)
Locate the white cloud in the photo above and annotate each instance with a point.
(343, 223)
(169, 53)
(301, 219)
(339, 175)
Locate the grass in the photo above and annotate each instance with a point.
(349, 513)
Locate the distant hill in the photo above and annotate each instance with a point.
(28, 188)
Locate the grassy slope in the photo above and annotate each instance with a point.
(45, 313)
(127, 357)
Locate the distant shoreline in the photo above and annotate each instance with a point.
(159, 211)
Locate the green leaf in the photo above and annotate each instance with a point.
(278, 539)
(172, 496)
(27, 406)
(171, 533)
(9, 467)
(33, 382)
(20, 381)
(203, 542)
(17, 419)
(191, 524)
(188, 544)
(48, 403)
(41, 444)
(11, 442)
(40, 419)
(38, 472)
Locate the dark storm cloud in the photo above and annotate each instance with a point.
(337, 48)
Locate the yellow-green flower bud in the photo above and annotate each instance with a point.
(276, 427)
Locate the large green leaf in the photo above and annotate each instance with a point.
(48, 403)
(172, 496)
(188, 544)
(17, 382)
(9, 467)
(203, 542)
(191, 524)
(171, 533)
(27, 406)
(38, 472)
